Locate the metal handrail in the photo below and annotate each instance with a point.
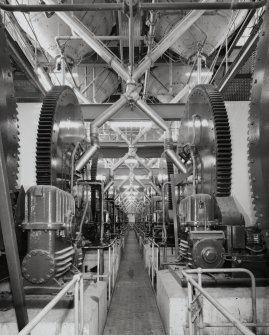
(154, 264)
(77, 282)
(242, 327)
(104, 246)
(112, 261)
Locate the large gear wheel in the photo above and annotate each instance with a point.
(8, 114)
(60, 128)
(258, 153)
(205, 126)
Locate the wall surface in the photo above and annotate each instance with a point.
(238, 118)
(172, 303)
(28, 115)
(60, 321)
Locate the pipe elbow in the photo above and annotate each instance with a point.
(176, 160)
(88, 155)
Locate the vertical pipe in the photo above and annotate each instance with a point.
(201, 317)
(178, 30)
(102, 263)
(157, 259)
(102, 213)
(63, 69)
(73, 167)
(81, 291)
(190, 308)
(76, 309)
(174, 204)
(150, 42)
(152, 263)
(109, 274)
(163, 217)
(113, 265)
(131, 37)
(199, 68)
(98, 265)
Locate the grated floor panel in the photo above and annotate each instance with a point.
(133, 309)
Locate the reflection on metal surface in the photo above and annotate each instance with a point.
(206, 127)
(60, 128)
(8, 115)
(208, 31)
(258, 131)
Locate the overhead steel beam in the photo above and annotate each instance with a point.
(120, 133)
(151, 113)
(108, 114)
(147, 150)
(178, 30)
(235, 40)
(88, 37)
(151, 34)
(131, 37)
(241, 58)
(234, 5)
(168, 112)
(24, 63)
(10, 244)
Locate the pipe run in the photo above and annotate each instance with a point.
(88, 155)
(153, 116)
(90, 39)
(173, 35)
(176, 160)
(107, 187)
(98, 122)
(107, 114)
(235, 5)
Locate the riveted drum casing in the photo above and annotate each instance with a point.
(47, 207)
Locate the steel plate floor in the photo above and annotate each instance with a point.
(133, 309)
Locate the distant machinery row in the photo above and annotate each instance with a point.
(68, 210)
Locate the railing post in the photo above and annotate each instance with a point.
(109, 273)
(201, 321)
(76, 308)
(102, 263)
(81, 291)
(98, 265)
(190, 307)
(113, 264)
(157, 259)
(152, 263)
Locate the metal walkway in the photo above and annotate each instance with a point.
(133, 309)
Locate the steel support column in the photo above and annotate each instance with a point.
(10, 243)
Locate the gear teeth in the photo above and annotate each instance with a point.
(93, 188)
(44, 135)
(223, 141)
(206, 102)
(258, 136)
(55, 143)
(8, 115)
